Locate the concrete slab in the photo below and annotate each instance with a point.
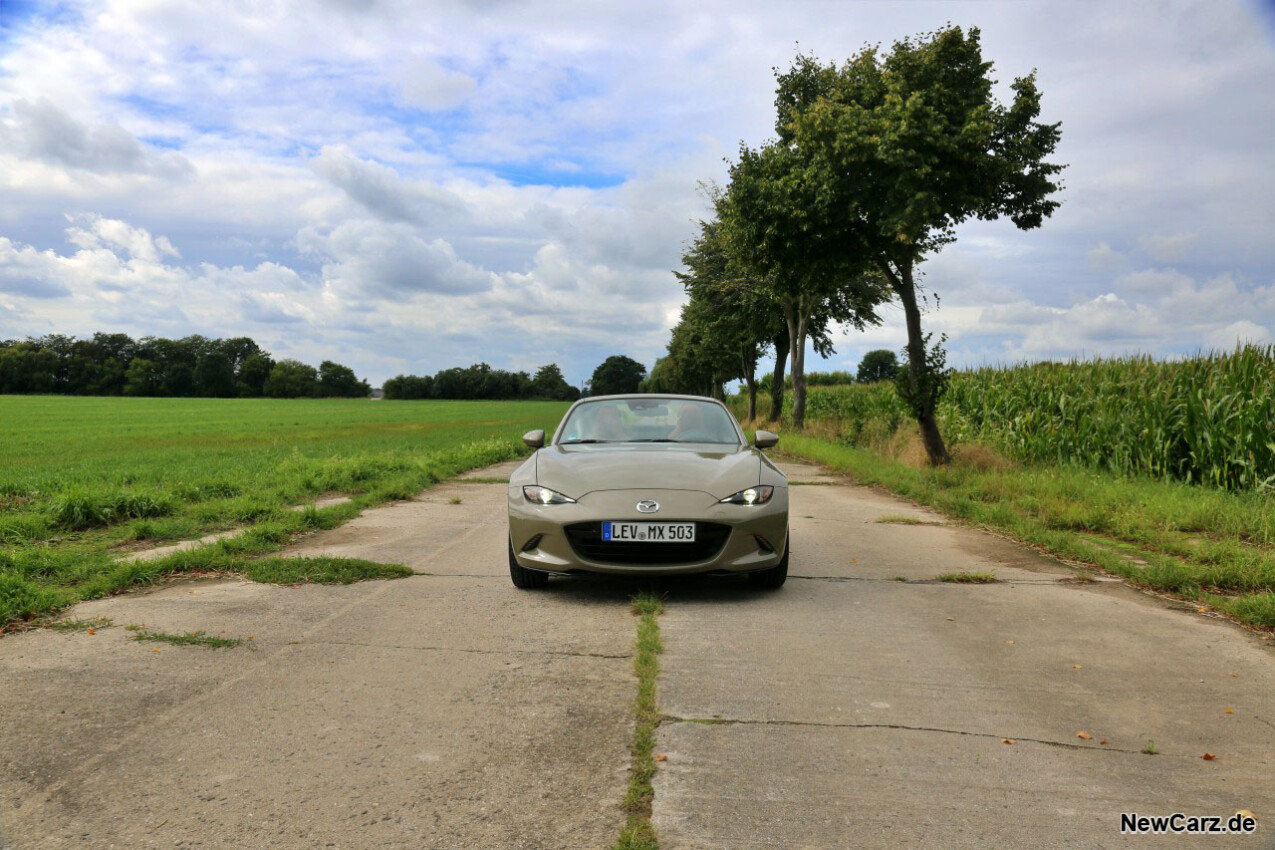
(849, 709)
(431, 711)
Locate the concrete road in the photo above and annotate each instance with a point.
(442, 710)
(847, 709)
(865, 705)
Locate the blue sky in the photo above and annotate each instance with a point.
(405, 187)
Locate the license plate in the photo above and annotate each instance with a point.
(648, 532)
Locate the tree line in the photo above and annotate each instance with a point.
(480, 381)
(193, 366)
(874, 164)
(616, 374)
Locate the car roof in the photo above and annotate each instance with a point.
(651, 395)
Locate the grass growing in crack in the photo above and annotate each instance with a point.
(1150, 750)
(482, 480)
(898, 519)
(80, 625)
(320, 570)
(455, 500)
(637, 833)
(966, 578)
(186, 639)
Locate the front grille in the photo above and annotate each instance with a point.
(586, 540)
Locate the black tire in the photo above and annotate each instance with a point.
(522, 577)
(776, 575)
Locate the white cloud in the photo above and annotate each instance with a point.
(1237, 333)
(1167, 248)
(41, 130)
(1104, 257)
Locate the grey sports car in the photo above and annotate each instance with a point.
(648, 485)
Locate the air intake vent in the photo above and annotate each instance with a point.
(586, 540)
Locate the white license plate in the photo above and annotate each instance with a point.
(648, 532)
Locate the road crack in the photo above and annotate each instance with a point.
(719, 721)
(873, 580)
(462, 649)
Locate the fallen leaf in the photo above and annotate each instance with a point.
(1104, 742)
(1246, 814)
(1227, 710)
(951, 619)
(1083, 735)
(1208, 757)
(1077, 666)
(92, 631)
(661, 757)
(1008, 741)
(854, 560)
(1202, 609)
(1009, 641)
(154, 650)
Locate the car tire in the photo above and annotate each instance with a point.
(522, 577)
(776, 575)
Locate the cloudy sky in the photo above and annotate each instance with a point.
(405, 186)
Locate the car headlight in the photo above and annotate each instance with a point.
(758, 495)
(545, 496)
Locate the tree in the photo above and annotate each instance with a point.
(250, 379)
(549, 383)
(617, 374)
(734, 315)
(909, 145)
(337, 381)
(775, 218)
(292, 379)
(215, 373)
(878, 365)
(144, 378)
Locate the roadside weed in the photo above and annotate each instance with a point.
(199, 638)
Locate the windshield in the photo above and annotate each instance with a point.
(649, 420)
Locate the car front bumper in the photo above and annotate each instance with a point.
(757, 540)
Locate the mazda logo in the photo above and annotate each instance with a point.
(647, 506)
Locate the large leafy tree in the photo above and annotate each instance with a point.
(906, 146)
(617, 374)
(338, 381)
(292, 379)
(775, 218)
(730, 312)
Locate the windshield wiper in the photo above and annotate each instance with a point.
(585, 440)
(655, 440)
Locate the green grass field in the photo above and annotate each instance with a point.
(82, 480)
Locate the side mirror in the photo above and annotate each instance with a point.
(765, 439)
(534, 439)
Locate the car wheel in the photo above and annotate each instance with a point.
(776, 575)
(523, 577)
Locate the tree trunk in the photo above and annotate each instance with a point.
(905, 288)
(795, 315)
(777, 378)
(748, 359)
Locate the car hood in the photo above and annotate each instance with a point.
(578, 470)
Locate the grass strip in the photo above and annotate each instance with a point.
(80, 625)
(187, 639)
(966, 578)
(637, 832)
(1201, 545)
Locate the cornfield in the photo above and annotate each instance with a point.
(1206, 420)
